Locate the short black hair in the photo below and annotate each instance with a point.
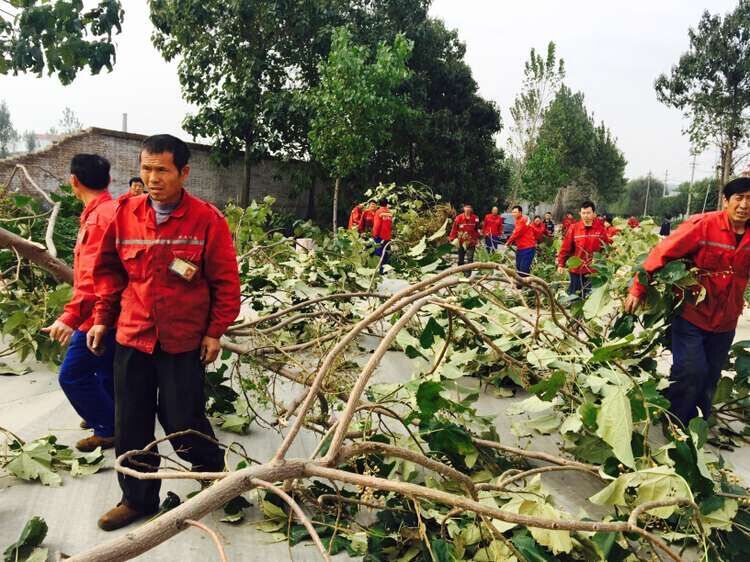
(372, 201)
(737, 185)
(159, 144)
(384, 202)
(91, 170)
(514, 207)
(468, 205)
(588, 205)
(135, 179)
(537, 217)
(609, 218)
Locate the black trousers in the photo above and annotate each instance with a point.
(466, 255)
(169, 386)
(579, 285)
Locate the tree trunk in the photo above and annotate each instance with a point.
(248, 161)
(38, 255)
(336, 204)
(727, 156)
(310, 214)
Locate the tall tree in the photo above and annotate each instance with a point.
(239, 64)
(355, 104)
(8, 134)
(711, 83)
(69, 122)
(543, 77)
(60, 36)
(607, 166)
(633, 199)
(29, 140)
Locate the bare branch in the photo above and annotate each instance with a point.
(211, 533)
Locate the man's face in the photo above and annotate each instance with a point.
(537, 220)
(587, 216)
(516, 213)
(547, 216)
(495, 210)
(162, 178)
(738, 207)
(136, 188)
(372, 206)
(467, 210)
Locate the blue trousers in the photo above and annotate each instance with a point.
(697, 359)
(492, 242)
(380, 248)
(87, 381)
(524, 258)
(579, 285)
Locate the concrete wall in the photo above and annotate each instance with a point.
(213, 183)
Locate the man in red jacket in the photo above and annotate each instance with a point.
(368, 218)
(492, 228)
(355, 217)
(466, 231)
(382, 231)
(524, 239)
(539, 228)
(567, 222)
(168, 260)
(717, 245)
(86, 378)
(582, 241)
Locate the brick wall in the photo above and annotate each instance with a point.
(213, 183)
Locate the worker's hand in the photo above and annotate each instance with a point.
(59, 332)
(95, 339)
(560, 269)
(632, 303)
(210, 348)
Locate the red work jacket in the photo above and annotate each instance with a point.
(78, 313)
(382, 226)
(355, 218)
(367, 222)
(466, 229)
(540, 231)
(708, 243)
(493, 225)
(611, 231)
(523, 235)
(566, 224)
(583, 242)
(134, 269)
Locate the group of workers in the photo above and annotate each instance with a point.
(156, 285)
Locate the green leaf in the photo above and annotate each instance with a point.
(25, 467)
(32, 535)
(431, 329)
(615, 425)
(548, 388)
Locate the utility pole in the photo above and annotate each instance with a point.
(124, 122)
(648, 192)
(666, 177)
(690, 187)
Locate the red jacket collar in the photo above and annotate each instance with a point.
(93, 204)
(142, 206)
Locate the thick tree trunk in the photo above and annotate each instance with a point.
(727, 157)
(311, 211)
(38, 255)
(336, 203)
(248, 161)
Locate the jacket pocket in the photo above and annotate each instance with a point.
(134, 261)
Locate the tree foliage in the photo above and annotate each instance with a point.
(355, 104)
(711, 83)
(572, 150)
(8, 134)
(543, 77)
(69, 122)
(60, 36)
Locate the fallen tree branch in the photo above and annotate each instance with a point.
(211, 533)
(38, 255)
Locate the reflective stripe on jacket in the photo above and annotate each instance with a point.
(523, 235)
(583, 242)
(466, 229)
(78, 313)
(136, 268)
(382, 226)
(708, 243)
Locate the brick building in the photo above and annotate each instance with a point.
(219, 185)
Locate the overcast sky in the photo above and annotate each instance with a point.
(613, 52)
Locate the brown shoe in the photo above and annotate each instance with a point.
(91, 443)
(84, 424)
(121, 516)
